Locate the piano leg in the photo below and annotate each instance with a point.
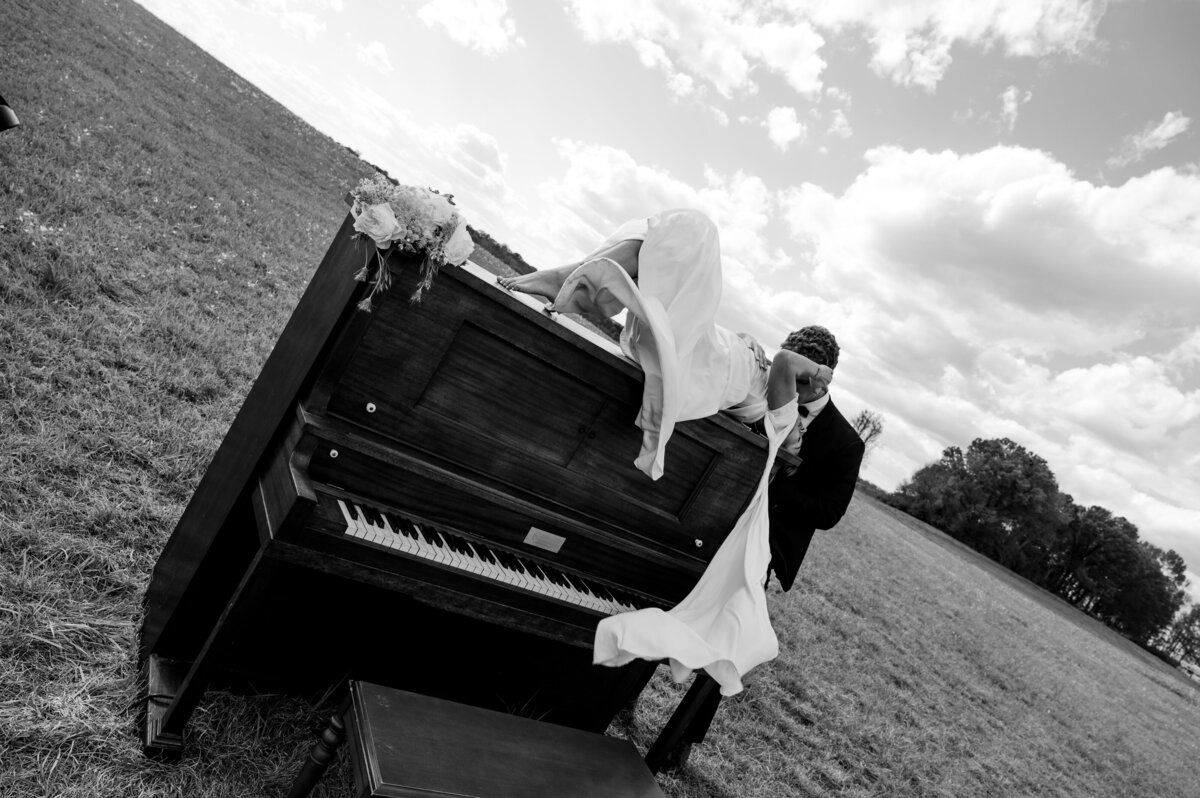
(679, 728)
(174, 689)
(319, 758)
(161, 678)
(634, 678)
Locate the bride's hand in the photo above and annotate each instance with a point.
(822, 378)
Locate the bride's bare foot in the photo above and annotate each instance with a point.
(543, 283)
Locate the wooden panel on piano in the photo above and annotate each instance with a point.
(471, 377)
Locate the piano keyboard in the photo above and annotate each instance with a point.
(392, 531)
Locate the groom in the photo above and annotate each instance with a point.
(814, 496)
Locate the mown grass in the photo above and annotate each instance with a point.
(158, 220)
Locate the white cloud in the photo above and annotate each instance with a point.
(839, 125)
(839, 96)
(717, 41)
(910, 57)
(912, 40)
(783, 128)
(206, 23)
(304, 17)
(671, 35)
(1011, 100)
(375, 56)
(790, 49)
(724, 43)
(482, 25)
(1152, 137)
(681, 85)
(307, 25)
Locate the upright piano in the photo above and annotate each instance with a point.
(437, 495)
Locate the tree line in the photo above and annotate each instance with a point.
(1004, 502)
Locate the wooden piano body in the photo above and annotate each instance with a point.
(503, 432)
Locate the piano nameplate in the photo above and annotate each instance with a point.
(544, 540)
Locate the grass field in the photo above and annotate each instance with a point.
(158, 220)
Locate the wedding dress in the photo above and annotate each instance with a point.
(722, 626)
(693, 368)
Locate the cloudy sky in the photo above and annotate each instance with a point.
(994, 204)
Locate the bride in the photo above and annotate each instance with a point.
(666, 270)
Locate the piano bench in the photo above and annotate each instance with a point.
(405, 744)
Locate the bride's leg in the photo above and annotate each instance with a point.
(625, 254)
(547, 282)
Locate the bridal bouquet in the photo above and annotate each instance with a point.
(408, 219)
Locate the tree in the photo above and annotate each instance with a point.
(1099, 564)
(869, 426)
(1182, 639)
(940, 494)
(1146, 597)
(500, 251)
(997, 497)
(1087, 557)
(1016, 497)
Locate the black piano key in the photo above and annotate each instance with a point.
(570, 581)
(547, 573)
(521, 566)
(450, 542)
(460, 545)
(626, 598)
(401, 526)
(586, 586)
(352, 508)
(556, 576)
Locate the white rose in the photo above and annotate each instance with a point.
(439, 208)
(460, 246)
(379, 223)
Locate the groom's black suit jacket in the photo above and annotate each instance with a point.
(817, 494)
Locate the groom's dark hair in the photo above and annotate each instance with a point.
(816, 343)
